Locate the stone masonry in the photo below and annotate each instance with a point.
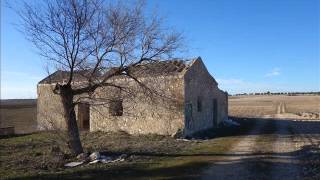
(188, 99)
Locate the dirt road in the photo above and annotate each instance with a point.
(281, 108)
(273, 149)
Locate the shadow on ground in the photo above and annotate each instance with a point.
(195, 164)
(258, 168)
(246, 124)
(13, 135)
(304, 127)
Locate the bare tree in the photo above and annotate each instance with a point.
(103, 39)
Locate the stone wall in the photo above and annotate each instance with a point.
(160, 112)
(200, 86)
(172, 105)
(50, 113)
(49, 109)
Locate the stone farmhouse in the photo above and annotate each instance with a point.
(187, 100)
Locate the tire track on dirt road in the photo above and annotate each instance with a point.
(286, 164)
(269, 151)
(240, 162)
(281, 108)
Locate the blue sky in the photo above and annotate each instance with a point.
(248, 46)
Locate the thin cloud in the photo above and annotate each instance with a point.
(234, 86)
(230, 81)
(274, 72)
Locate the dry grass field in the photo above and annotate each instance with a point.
(300, 107)
(43, 155)
(20, 114)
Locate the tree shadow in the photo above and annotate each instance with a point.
(294, 126)
(257, 165)
(14, 135)
(246, 126)
(270, 124)
(252, 166)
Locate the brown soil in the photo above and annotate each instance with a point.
(273, 106)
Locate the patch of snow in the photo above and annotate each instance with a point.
(73, 164)
(230, 122)
(96, 157)
(94, 161)
(106, 159)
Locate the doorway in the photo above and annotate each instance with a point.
(84, 116)
(188, 116)
(215, 112)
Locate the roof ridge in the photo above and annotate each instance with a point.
(155, 68)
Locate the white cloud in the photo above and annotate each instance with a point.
(274, 72)
(230, 81)
(234, 86)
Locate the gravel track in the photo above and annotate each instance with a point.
(271, 150)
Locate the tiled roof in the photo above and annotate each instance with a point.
(63, 76)
(160, 68)
(157, 68)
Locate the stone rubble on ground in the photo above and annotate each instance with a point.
(177, 134)
(106, 159)
(83, 156)
(96, 157)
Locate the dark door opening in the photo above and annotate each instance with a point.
(215, 112)
(84, 116)
(188, 116)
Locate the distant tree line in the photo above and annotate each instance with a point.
(277, 93)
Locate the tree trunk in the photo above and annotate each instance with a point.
(71, 121)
